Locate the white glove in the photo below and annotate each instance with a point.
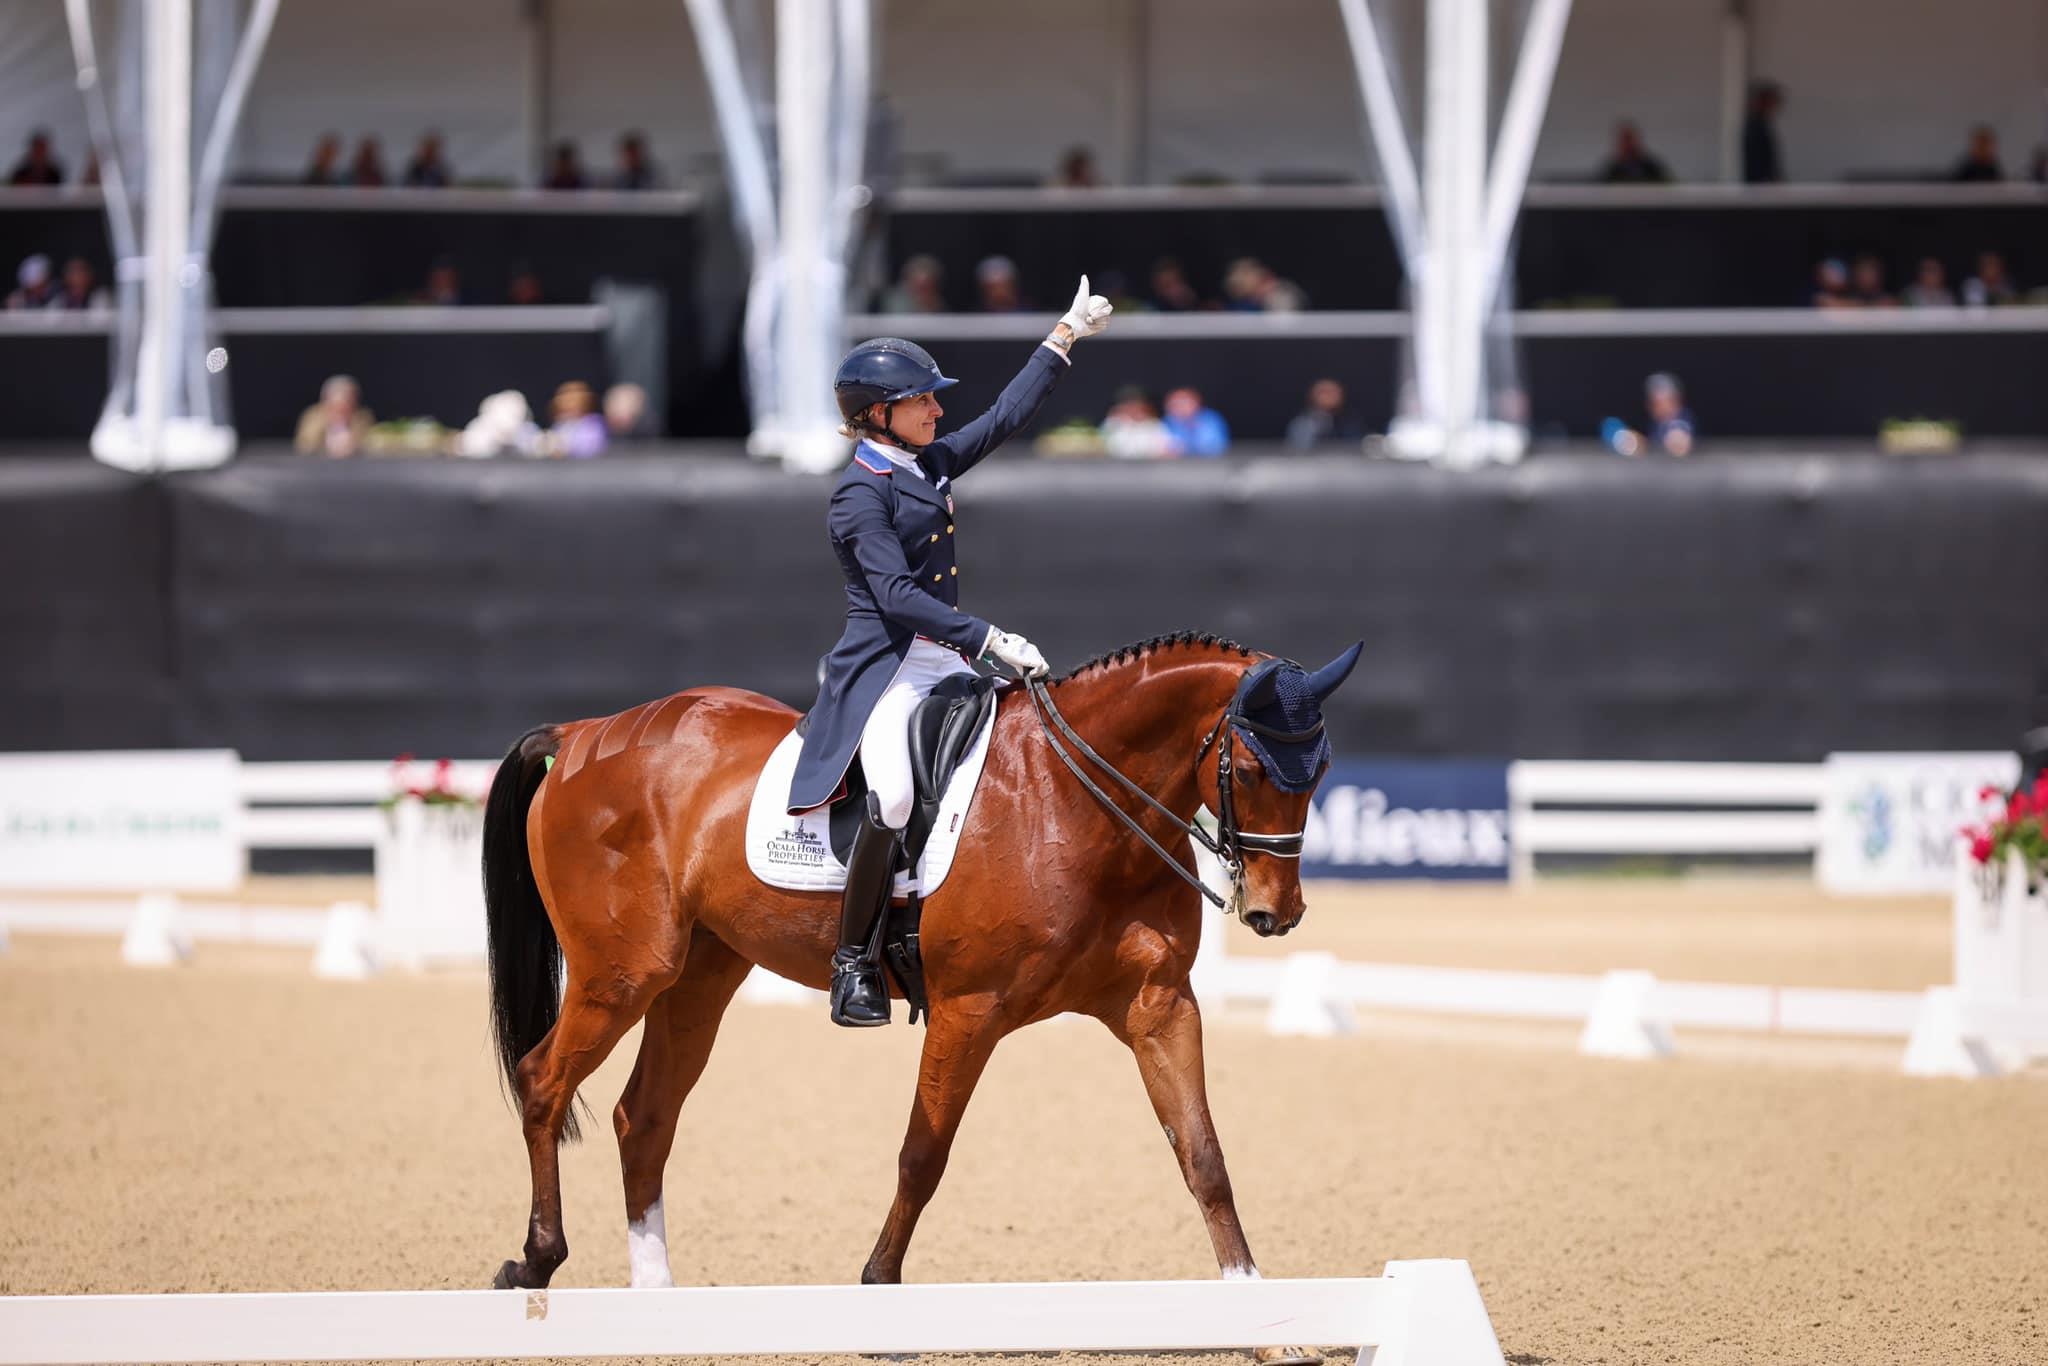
(1020, 654)
(1089, 313)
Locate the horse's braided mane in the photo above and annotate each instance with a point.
(1143, 648)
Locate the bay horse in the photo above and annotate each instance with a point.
(616, 879)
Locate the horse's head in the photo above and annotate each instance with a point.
(1271, 751)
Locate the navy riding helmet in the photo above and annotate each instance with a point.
(883, 371)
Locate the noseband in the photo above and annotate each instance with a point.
(1230, 844)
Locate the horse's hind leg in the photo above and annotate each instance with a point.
(957, 1043)
(682, 1024)
(589, 1025)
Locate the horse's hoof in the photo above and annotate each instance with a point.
(507, 1278)
(1287, 1356)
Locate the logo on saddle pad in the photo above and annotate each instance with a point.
(798, 846)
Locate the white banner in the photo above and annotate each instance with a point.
(136, 821)
(1889, 822)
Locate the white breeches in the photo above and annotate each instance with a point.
(885, 741)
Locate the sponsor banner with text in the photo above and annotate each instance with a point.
(129, 821)
(1410, 818)
(1891, 823)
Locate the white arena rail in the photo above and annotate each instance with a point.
(1534, 784)
(1420, 1313)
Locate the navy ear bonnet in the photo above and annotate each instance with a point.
(1285, 724)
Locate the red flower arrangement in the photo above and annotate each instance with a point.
(441, 791)
(2018, 820)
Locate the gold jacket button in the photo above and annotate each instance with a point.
(935, 536)
(949, 530)
(937, 577)
(956, 569)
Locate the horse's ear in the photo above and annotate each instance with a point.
(1324, 681)
(1261, 686)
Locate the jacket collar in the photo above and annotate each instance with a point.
(872, 454)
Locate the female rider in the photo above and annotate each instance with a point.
(892, 528)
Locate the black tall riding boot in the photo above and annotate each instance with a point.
(859, 996)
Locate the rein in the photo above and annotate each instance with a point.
(1230, 844)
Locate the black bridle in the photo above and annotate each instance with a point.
(1230, 844)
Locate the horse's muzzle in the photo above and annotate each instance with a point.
(1265, 924)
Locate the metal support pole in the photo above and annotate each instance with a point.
(166, 221)
(1450, 321)
(803, 72)
(1383, 127)
(1521, 121)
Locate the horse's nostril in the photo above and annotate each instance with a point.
(1261, 922)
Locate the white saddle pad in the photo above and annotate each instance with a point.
(795, 852)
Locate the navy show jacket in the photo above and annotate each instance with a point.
(894, 535)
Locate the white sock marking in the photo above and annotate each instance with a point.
(1240, 1273)
(647, 1248)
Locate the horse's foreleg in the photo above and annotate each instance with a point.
(682, 1024)
(1164, 1030)
(547, 1079)
(957, 1043)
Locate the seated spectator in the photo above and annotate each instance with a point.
(625, 413)
(1930, 287)
(37, 166)
(1250, 286)
(1831, 284)
(81, 292)
(919, 287)
(1195, 430)
(503, 425)
(1132, 430)
(996, 279)
(36, 288)
(1866, 284)
(1632, 163)
(524, 288)
(565, 172)
(636, 171)
(1324, 422)
(1171, 292)
(578, 431)
(1980, 161)
(443, 287)
(1077, 170)
(367, 170)
(428, 170)
(1990, 287)
(325, 167)
(338, 424)
(1761, 162)
(1670, 425)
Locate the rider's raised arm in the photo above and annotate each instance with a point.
(860, 520)
(952, 456)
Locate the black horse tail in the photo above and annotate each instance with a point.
(526, 959)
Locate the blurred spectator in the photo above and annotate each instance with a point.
(325, 167)
(1761, 162)
(1990, 286)
(36, 288)
(1196, 431)
(1866, 284)
(625, 413)
(443, 285)
(1113, 285)
(636, 171)
(428, 169)
(1077, 170)
(578, 431)
(1171, 292)
(1831, 284)
(81, 291)
(996, 279)
(503, 425)
(1250, 286)
(1670, 425)
(1980, 161)
(368, 168)
(919, 287)
(565, 172)
(338, 424)
(524, 287)
(1632, 163)
(1930, 287)
(37, 166)
(1132, 430)
(1324, 422)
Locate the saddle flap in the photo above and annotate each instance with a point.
(943, 726)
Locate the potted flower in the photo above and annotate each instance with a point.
(2012, 836)
(429, 896)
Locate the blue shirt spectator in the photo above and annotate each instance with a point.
(1196, 431)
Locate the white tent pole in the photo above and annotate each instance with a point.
(227, 118)
(166, 216)
(1383, 126)
(1521, 121)
(855, 29)
(1450, 324)
(121, 224)
(803, 80)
